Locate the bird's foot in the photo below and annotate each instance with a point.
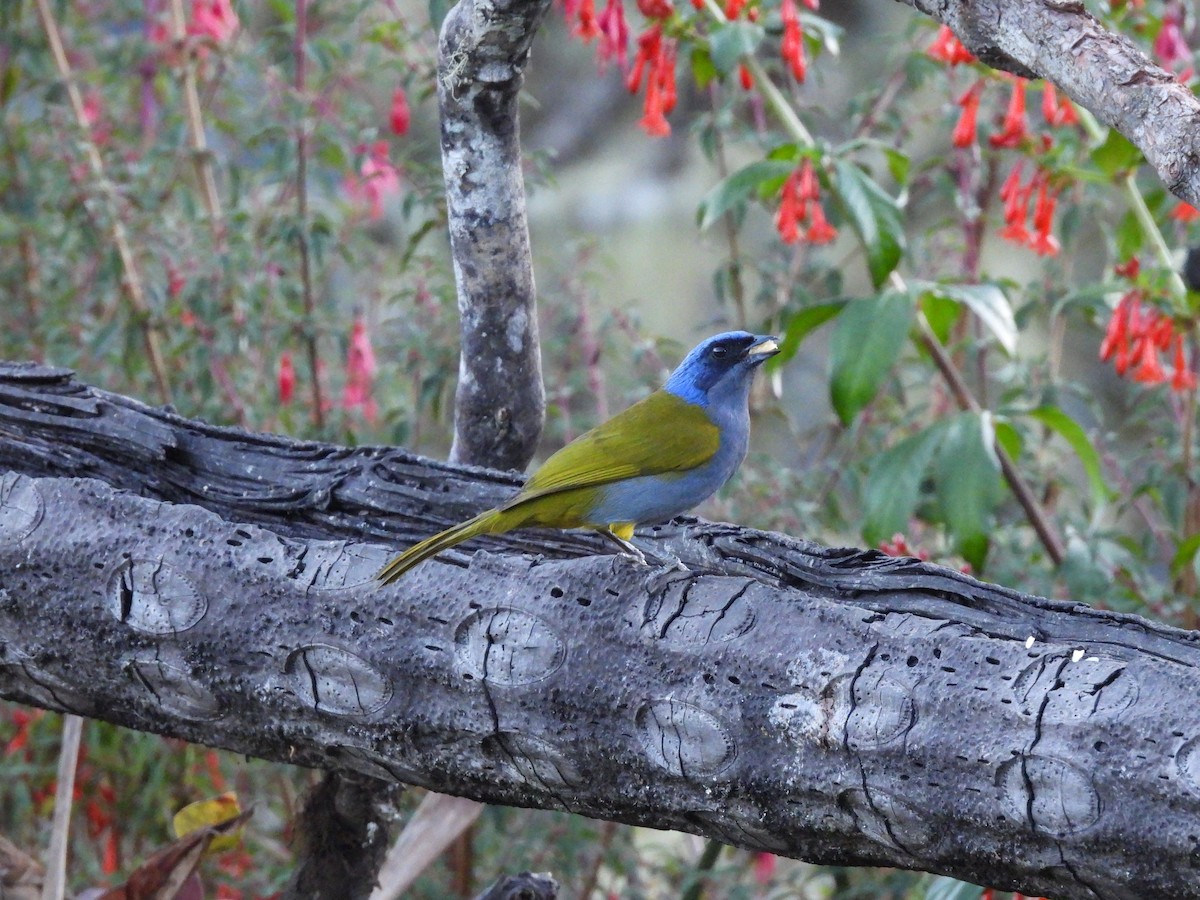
(646, 559)
(627, 548)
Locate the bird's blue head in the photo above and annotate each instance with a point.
(721, 366)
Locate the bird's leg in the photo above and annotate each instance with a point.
(619, 534)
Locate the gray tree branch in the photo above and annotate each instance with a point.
(500, 400)
(833, 705)
(1103, 71)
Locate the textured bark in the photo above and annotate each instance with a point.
(343, 828)
(1105, 72)
(500, 401)
(834, 705)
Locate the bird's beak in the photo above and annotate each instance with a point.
(764, 349)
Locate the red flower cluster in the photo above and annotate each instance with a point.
(377, 179)
(286, 378)
(1017, 198)
(360, 373)
(1135, 337)
(792, 48)
(1171, 47)
(656, 58)
(614, 34)
(399, 116)
(947, 48)
(800, 204)
(898, 546)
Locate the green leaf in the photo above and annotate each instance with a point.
(894, 484)
(1072, 432)
(738, 187)
(942, 313)
(1116, 155)
(703, 69)
(804, 323)
(943, 887)
(987, 301)
(869, 336)
(733, 40)
(968, 483)
(874, 214)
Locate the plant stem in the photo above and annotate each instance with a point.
(737, 290)
(201, 157)
(962, 394)
(310, 306)
(131, 281)
(708, 859)
(771, 94)
(55, 883)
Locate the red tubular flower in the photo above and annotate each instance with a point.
(286, 378)
(1116, 335)
(649, 46)
(947, 48)
(1183, 379)
(964, 131)
(215, 19)
(1016, 205)
(764, 868)
(1128, 269)
(660, 81)
(1044, 243)
(1149, 370)
(1170, 46)
(733, 8)
(614, 34)
(655, 9)
(1184, 212)
(399, 116)
(1016, 123)
(1057, 110)
(360, 372)
(792, 210)
(586, 25)
(819, 229)
(792, 46)
(745, 77)
(807, 186)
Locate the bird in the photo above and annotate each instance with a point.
(655, 460)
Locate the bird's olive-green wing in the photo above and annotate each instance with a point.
(657, 435)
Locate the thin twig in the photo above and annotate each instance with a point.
(55, 883)
(310, 306)
(736, 289)
(966, 400)
(131, 281)
(201, 157)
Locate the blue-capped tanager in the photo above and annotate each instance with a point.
(657, 459)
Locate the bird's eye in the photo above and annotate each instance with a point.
(719, 352)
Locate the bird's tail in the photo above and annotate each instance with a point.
(484, 523)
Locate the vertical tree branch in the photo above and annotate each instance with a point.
(500, 401)
(131, 280)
